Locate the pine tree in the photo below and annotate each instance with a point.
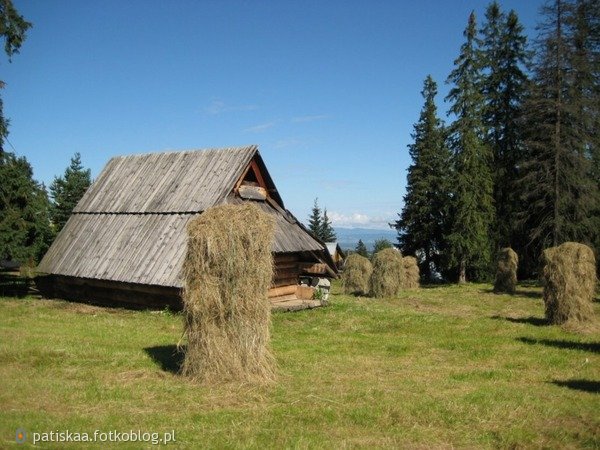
(361, 249)
(315, 219)
(67, 190)
(12, 30)
(327, 233)
(560, 192)
(423, 223)
(472, 206)
(25, 232)
(504, 58)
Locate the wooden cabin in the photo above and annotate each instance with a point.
(126, 239)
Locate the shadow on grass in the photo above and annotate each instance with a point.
(518, 293)
(435, 285)
(528, 294)
(168, 357)
(531, 320)
(593, 347)
(530, 283)
(580, 385)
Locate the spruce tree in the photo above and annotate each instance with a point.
(67, 190)
(504, 58)
(315, 220)
(472, 206)
(561, 195)
(25, 232)
(584, 27)
(327, 233)
(423, 222)
(361, 249)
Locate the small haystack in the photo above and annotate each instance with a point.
(411, 273)
(356, 274)
(388, 273)
(506, 271)
(569, 284)
(227, 271)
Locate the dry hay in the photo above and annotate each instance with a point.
(506, 271)
(356, 274)
(388, 273)
(227, 271)
(569, 284)
(411, 273)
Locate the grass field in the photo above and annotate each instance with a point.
(451, 366)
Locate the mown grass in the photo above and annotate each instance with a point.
(450, 366)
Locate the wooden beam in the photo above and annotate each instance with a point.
(283, 290)
(258, 174)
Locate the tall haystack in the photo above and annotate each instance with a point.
(411, 273)
(228, 270)
(569, 283)
(388, 273)
(506, 271)
(357, 271)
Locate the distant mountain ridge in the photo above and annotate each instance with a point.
(348, 237)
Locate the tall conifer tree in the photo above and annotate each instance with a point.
(423, 223)
(560, 192)
(25, 232)
(584, 27)
(315, 219)
(67, 190)
(361, 249)
(472, 206)
(504, 59)
(327, 233)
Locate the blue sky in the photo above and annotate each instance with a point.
(329, 90)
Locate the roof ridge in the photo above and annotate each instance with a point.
(197, 150)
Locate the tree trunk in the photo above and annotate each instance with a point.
(462, 274)
(426, 275)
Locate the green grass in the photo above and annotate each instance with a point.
(451, 366)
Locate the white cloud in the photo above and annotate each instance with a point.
(358, 220)
(301, 119)
(219, 107)
(260, 127)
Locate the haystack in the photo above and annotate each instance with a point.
(411, 273)
(569, 284)
(388, 273)
(227, 271)
(357, 271)
(506, 271)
